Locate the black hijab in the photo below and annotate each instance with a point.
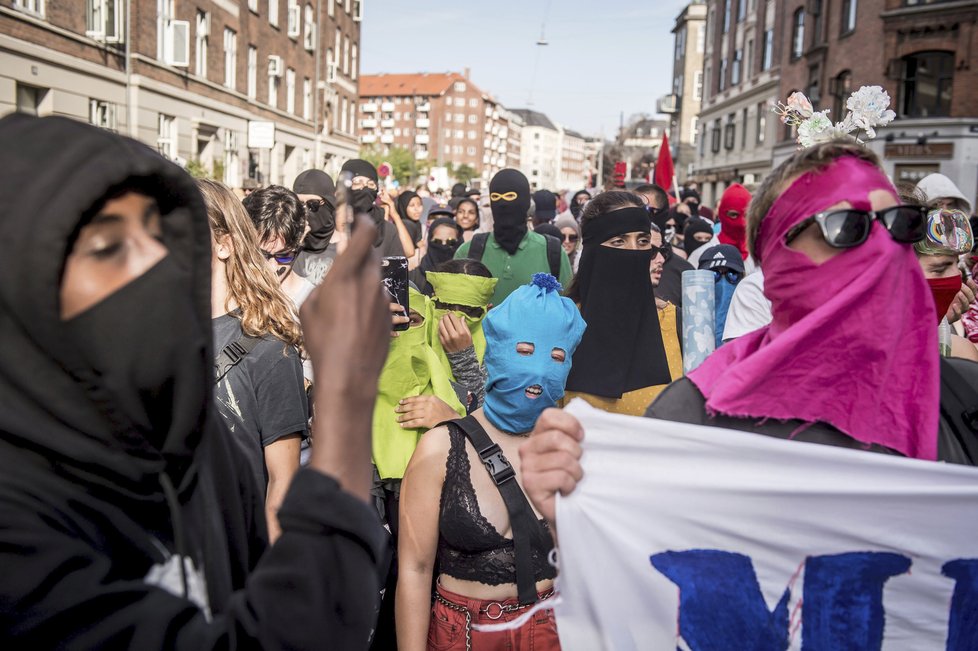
(413, 226)
(437, 252)
(622, 347)
(509, 196)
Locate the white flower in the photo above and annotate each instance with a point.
(870, 108)
(817, 128)
(799, 103)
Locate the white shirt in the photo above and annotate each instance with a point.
(694, 258)
(749, 308)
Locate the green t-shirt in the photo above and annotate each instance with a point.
(516, 270)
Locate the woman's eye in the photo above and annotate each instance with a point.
(108, 250)
(617, 242)
(558, 355)
(524, 349)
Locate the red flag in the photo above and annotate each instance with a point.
(664, 170)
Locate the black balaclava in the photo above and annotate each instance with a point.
(622, 348)
(458, 190)
(549, 229)
(693, 226)
(694, 206)
(509, 196)
(363, 199)
(576, 209)
(438, 252)
(119, 395)
(413, 226)
(322, 220)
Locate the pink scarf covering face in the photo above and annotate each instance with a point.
(836, 351)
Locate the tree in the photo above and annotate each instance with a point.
(464, 173)
(403, 166)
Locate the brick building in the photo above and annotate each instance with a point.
(744, 41)
(683, 104)
(192, 79)
(441, 117)
(921, 52)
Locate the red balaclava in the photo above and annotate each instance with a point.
(733, 230)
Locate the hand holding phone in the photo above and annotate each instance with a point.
(394, 277)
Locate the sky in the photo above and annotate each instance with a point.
(602, 58)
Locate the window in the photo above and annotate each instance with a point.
(101, 114)
(848, 16)
(252, 71)
(448, 117)
(164, 14)
(749, 60)
(29, 99)
(460, 118)
(816, 11)
(346, 56)
(105, 21)
(680, 44)
(700, 39)
(473, 118)
(709, 25)
(767, 59)
(459, 134)
(741, 10)
(473, 135)
(292, 17)
(743, 131)
(698, 85)
(926, 87)
(253, 6)
(200, 56)
(290, 90)
(353, 64)
(474, 103)
(33, 6)
(761, 121)
(814, 90)
(735, 68)
(397, 131)
(273, 90)
(330, 8)
(273, 13)
(353, 116)
(309, 29)
(798, 33)
(723, 73)
(715, 137)
(840, 87)
(459, 86)
(343, 117)
(166, 136)
(694, 123)
(729, 132)
(726, 15)
(230, 57)
(306, 99)
(708, 76)
(448, 149)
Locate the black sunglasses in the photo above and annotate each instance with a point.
(313, 206)
(283, 257)
(733, 277)
(659, 250)
(571, 237)
(844, 229)
(452, 242)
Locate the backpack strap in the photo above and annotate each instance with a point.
(521, 516)
(231, 354)
(478, 246)
(554, 247)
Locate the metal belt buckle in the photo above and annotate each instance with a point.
(497, 615)
(497, 464)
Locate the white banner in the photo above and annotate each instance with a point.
(691, 538)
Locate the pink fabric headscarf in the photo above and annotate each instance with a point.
(836, 351)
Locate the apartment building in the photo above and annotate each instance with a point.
(239, 89)
(683, 104)
(443, 118)
(921, 52)
(741, 68)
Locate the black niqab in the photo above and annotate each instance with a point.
(413, 226)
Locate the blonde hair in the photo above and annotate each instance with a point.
(810, 159)
(265, 308)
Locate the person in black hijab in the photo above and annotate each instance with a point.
(363, 197)
(621, 364)
(128, 520)
(444, 238)
(410, 214)
(697, 232)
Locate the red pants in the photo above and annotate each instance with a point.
(447, 629)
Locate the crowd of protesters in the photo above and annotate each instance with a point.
(218, 431)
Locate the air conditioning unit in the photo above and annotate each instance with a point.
(332, 72)
(176, 47)
(295, 21)
(275, 66)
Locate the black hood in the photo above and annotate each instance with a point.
(53, 410)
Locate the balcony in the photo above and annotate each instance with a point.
(368, 123)
(502, 148)
(387, 107)
(495, 115)
(503, 133)
(370, 107)
(488, 127)
(495, 129)
(423, 108)
(485, 159)
(387, 138)
(422, 123)
(387, 124)
(487, 143)
(368, 138)
(422, 139)
(488, 111)
(421, 154)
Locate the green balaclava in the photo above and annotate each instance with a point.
(459, 289)
(412, 369)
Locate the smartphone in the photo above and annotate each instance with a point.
(394, 276)
(344, 209)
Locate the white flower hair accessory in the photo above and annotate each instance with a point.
(868, 109)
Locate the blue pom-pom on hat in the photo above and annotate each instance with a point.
(547, 282)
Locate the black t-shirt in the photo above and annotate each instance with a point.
(262, 398)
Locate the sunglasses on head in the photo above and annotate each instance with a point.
(571, 237)
(847, 228)
(282, 257)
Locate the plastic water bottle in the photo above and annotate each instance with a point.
(699, 317)
(943, 335)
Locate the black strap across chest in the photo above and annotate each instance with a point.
(233, 353)
(522, 519)
(478, 248)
